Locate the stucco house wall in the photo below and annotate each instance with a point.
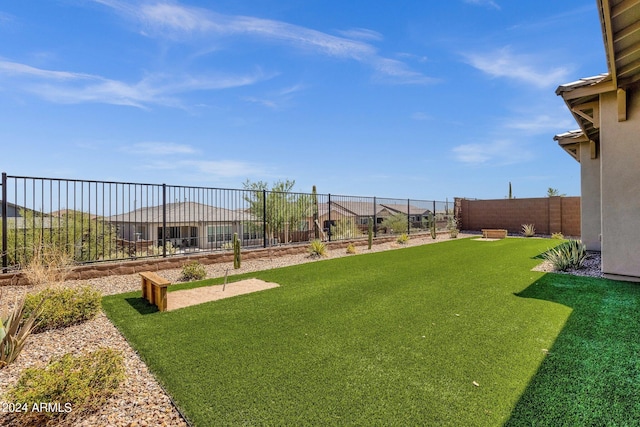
(590, 227)
(620, 185)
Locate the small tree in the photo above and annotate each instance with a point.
(553, 192)
(396, 223)
(279, 207)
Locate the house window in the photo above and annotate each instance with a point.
(219, 233)
(172, 233)
(141, 232)
(327, 223)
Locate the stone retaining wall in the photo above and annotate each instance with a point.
(100, 269)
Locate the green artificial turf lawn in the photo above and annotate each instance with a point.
(455, 333)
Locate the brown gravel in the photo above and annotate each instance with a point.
(141, 401)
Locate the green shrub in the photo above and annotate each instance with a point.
(528, 230)
(351, 248)
(193, 271)
(77, 383)
(570, 254)
(317, 248)
(396, 223)
(403, 238)
(63, 307)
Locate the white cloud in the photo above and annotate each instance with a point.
(542, 123)
(224, 168)
(361, 34)
(276, 99)
(73, 88)
(501, 152)
(421, 116)
(489, 3)
(16, 69)
(206, 169)
(523, 68)
(159, 148)
(177, 21)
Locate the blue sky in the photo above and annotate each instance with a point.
(420, 99)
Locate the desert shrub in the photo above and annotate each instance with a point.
(396, 223)
(15, 329)
(77, 383)
(351, 248)
(317, 249)
(558, 236)
(63, 307)
(157, 250)
(345, 228)
(528, 230)
(570, 254)
(49, 264)
(193, 271)
(403, 238)
(452, 226)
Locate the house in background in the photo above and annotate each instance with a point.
(607, 145)
(13, 210)
(186, 225)
(361, 211)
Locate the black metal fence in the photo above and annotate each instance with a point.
(96, 221)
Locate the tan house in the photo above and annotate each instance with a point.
(186, 225)
(607, 145)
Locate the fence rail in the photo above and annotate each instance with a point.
(95, 221)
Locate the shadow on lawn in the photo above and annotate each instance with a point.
(141, 305)
(591, 375)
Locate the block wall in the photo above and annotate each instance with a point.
(548, 214)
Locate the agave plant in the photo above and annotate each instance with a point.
(570, 254)
(317, 249)
(15, 330)
(528, 230)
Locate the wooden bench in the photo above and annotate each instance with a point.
(154, 289)
(491, 233)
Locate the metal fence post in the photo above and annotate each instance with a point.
(164, 220)
(264, 218)
(375, 218)
(434, 216)
(4, 222)
(408, 217)
(329, 231)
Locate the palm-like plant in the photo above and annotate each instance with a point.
(528, 230)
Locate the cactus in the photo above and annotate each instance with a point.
(432, 225)
(236, 252)
(370, 232)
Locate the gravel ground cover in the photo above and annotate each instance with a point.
(141, 400)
